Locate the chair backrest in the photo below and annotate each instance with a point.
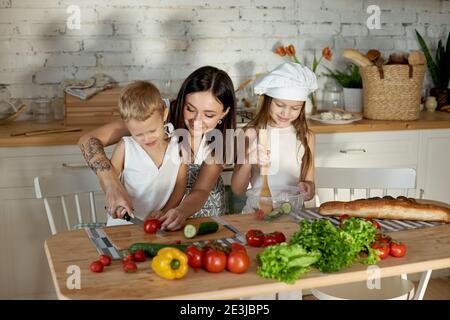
(64, 183)
(364, 178)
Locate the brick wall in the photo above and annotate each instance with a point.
(165, 40)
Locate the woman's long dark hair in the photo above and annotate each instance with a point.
(207, 79)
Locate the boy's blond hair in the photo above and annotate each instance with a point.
(139, 100)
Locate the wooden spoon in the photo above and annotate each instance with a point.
(265, 196)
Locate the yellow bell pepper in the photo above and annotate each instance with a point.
(170, 263)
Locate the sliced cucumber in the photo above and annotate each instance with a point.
(286, 207)
(276, 213)
(191, 231)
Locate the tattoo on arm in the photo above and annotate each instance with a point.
(95, 155)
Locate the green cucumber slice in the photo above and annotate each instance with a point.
(190, 231)
(286, 207)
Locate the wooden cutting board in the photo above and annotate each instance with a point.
(122, 237)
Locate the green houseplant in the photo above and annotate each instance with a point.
(350, 80)
(439, 69)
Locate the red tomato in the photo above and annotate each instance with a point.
(238, 247)
(96, 266)
(128, 257)
(279, 236)
(255, 238)
(139, 256)
(238, 262)
(342, 218)
(381, 237)
(214, 261)
(383, 249)
(375, 223)
(259, 214)
(129, 267)
(269, 240)
(398, 249)
(152, 225)
(195, 256)
(105, 260)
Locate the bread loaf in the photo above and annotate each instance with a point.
(357, 58)
(416, 58)
(387, 208)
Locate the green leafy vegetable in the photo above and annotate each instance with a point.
(339, 247)
(285, 262)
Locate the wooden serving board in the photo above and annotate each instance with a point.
(122, 237)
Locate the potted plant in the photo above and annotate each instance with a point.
(351, 81)
(439, 69)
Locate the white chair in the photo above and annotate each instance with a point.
(368, 179)
(62, 184)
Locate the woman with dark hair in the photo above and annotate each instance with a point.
(205, 102)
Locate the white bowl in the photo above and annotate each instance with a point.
(279, 196)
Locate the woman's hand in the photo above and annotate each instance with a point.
(173, 219)
(117, 200)
(155, 215)
(308, 189)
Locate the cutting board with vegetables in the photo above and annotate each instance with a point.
(122, 237)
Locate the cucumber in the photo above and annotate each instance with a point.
(276, 213)
(191, 231)
(286, 207)
(151, 249)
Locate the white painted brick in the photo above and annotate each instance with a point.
(32, 90)
(14, 61)
(421, 5)
(341, 4)
(7, 29)
(105, 45)
(164, 29)
(209, 44)
(435, 31)
(14, 46)
(317, 16)
(171, 58)
(371, 43)
(309, 5)
(350, 30)
(284, 29)
(388, 30)
(256, 28)
(128, 29)
(209, 29)
(400, 44)
(55, 45)
(412, 45)
(37, 4)
(53, 15)
(120, 59)
(434, 18)
(247, 44)
(146, 73)
(67, 60)
(216, 14)
(117, 73)
(5, 3)
(40, 29)
(92, 29)
(274, 14)
(445, 6)
(53, 75)
(411, 33)
(398, 17)
(385, 5)
(149, 45)
(129, 15)
(16, 76)
(205, 3)
(341, 43)
(275, 4)
(313, 29)
(317, 42)
(352, 16)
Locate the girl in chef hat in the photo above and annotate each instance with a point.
(289, 152)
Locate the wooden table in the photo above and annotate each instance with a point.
(428, 248)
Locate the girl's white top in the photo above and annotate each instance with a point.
(286, 154)
(148, 186)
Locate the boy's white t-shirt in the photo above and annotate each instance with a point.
(148, 186)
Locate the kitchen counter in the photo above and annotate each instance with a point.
(427, 120)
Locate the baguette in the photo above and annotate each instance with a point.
(357, 58)
(416, 58)
(388, 208)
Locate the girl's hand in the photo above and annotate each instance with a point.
(173, 219)
(155, 215)
(308, 188)
(117, 200)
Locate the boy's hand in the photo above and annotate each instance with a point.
(173, 220)
(308, 188)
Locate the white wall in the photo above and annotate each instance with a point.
(168, 39)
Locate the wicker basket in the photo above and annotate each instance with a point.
(392, 92)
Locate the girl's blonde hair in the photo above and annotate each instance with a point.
(139, 100)
(301, 127)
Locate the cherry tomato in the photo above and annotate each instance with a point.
(398, 249)
(381, 237)
(238, 262)
(128, 257)
(375, 223)
(96, 266)
(342, 218)
(238, 247)
(152, 225)
(255, 238)
(269, 240)
(105, 260)
(214, 261)
(279, 236)
(383, 249)
(195, 256)
(129, 267)
(139, 256)
(259, 214)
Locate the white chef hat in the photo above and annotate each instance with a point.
(289, 81)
